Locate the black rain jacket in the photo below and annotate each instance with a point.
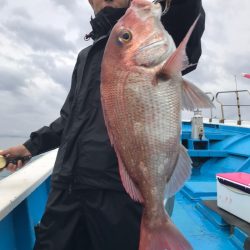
(86, 159)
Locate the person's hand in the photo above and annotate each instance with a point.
(165, 4)
(16, 151)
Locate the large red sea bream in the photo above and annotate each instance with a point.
(143, 93)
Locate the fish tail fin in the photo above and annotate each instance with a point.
(164, 237)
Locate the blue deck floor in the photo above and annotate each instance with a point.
(198, 229)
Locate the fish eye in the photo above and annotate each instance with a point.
(125, 36)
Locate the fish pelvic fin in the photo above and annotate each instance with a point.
(193, 97)
(128, 183)
(181, 173)
(163, 237)
(178, 61)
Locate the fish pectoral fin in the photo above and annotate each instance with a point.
(193, 97)
(108, 127)
(128, 183)
(178, 61)
(181, 173)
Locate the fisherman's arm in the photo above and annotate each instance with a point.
(177, 22)
(46, 138)
(42, 140)
(49, 137)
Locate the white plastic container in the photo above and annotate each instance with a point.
(197, 125)
(233, 194)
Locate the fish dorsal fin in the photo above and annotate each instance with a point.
(128, 183)
(193, 97)
(181, 173)
(178, 61)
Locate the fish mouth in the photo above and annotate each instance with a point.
(152, 45)
(153, 54)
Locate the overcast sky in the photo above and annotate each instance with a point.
(39, 42)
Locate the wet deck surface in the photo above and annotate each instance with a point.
(198, 229)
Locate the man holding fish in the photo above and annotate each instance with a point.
(117, 149)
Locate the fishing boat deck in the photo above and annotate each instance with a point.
(207, 228)
(200, 230)
(196, 214)
(225, 149)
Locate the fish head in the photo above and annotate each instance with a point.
(139, 38)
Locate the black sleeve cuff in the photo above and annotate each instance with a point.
(31, 147)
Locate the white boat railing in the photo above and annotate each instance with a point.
(238, 105)
(19, 185)
(216, 121)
